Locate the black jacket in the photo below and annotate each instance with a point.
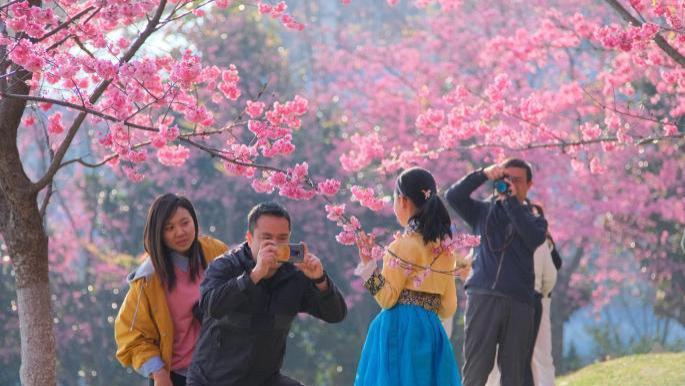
(245, 326)
(510, 233)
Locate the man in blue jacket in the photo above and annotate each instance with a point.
(500, 289)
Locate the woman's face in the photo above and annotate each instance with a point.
(179, 231)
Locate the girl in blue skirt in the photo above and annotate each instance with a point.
(406, 343)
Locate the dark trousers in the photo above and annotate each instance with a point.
(493, 320)
(176, 380)
(528, 376)
(281, 380)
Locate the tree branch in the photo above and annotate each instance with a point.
(71, 133)
(66, 23)
(8, 4)
(78, 107)
(563, 144)
(658, 39)
(218, 154)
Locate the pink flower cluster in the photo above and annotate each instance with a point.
(456, 242)
(430, 121)
(243, 155)
(132, 174)
(271, 140)
(292, 184)
(254, 109)
(187, 71)
(229, 84)
(288, 113)
(615, 36)
(55, 123)
(278, 12)
(590, 131)
(27, 55)
(349, 234)
(31, 20)
(173, 155)
(165, 134)
(365, 150)
(335, 212)
(330, 187)
(420, 276)
(366, 198)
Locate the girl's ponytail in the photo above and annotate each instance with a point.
(431, 218)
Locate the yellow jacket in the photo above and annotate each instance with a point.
(143, 328)
(411, 248)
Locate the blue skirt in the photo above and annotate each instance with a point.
(407, 345)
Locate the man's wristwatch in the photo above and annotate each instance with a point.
(321, 279)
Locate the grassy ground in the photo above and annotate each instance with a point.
(666, 369)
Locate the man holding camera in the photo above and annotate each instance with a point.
(249, 298)
(500, 288)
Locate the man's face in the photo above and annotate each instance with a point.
(268, 228)
(517, 176)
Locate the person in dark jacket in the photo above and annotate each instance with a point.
(500, 288)
(249, 300)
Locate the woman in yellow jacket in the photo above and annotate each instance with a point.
(156, 328)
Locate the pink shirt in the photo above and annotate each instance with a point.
(186, 328)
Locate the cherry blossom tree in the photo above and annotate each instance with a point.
(590, 92)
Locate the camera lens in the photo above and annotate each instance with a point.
(501, 186)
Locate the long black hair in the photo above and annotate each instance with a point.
(431, 218)
(160, 211)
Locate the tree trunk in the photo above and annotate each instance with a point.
(562, 308)
(23, 232)
(558, 321)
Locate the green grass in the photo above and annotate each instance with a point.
(666, 369)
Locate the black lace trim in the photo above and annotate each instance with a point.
(375, 283)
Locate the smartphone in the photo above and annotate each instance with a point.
(290, 253)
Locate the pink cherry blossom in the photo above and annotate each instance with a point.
(173, 155)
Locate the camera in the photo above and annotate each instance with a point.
(290, 253)
(502, 186)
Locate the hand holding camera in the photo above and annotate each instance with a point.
(494, 172)
(312, 268)
(266, 260)
(503, 187)
(290, 252)
(299, 256)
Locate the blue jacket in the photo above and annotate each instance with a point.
(510, 233)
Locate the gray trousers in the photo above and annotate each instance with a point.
(493, 320)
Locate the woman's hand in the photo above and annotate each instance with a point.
(162, 378)
(364, 244)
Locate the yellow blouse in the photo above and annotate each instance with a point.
(387, 285)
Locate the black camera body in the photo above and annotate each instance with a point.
(502, 186)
